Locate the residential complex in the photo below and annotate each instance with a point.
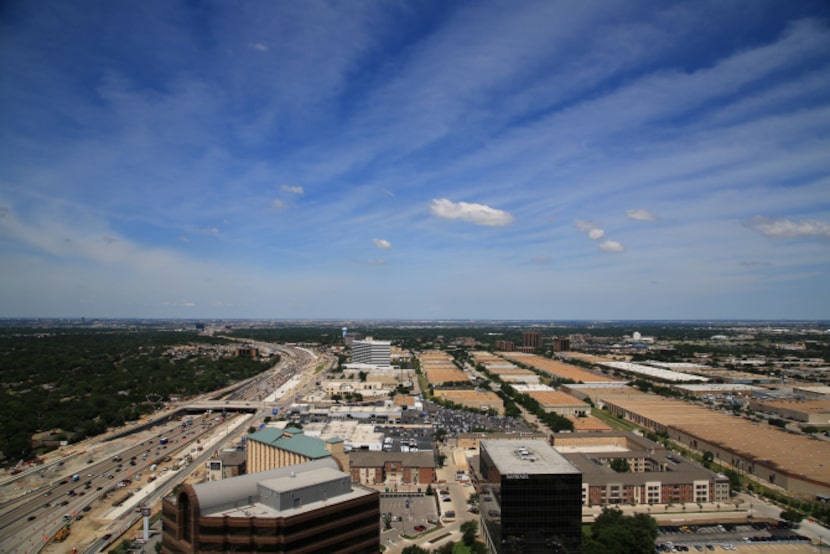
(646, 472)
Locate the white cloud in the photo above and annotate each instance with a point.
(377, 262)
(184, 238)
(277, 204)
(293, 189)
(479, 214)
(789, 229)
(259, 46)
(382, 244)
(611, 246)
(594, 232)
(641, 214)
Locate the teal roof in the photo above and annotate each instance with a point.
(309, 447)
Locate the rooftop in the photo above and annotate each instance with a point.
(534, 457)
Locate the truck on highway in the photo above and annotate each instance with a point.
(62, 533)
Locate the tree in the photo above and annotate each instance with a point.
(469, 529)
(708, 458)
(792, 516)
(414, 549)
(613, 532)
(734, 479)
(620, 465)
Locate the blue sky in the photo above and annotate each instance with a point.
(536, 160)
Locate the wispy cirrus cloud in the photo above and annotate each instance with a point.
(480, 214)
(382, 244)
(782, 228)
(293, 189)
(640, 214)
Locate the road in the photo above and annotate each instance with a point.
(28, 521)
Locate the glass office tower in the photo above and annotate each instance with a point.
(530, 498)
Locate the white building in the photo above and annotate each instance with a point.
(375, 352)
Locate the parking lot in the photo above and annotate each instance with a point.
(409, 513)
(729, 537)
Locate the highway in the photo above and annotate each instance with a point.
(29, 522)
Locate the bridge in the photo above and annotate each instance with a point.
(218, 406)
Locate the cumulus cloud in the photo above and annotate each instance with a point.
(611, 246)
(382, 244)
(479, 214)
(789, 229)
(293, 189)
(594, 232)
(641, 214)
(277, 204)
(212, 230)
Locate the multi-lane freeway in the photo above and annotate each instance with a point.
(30, 522)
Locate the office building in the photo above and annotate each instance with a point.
(530, 498)
(271, 448)
(311, 508)
(374, 352)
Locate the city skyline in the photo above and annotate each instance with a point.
(430, 160)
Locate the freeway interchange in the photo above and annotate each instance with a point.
(103, 481)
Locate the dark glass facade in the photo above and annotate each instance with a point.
(541, 513)
(529, 513)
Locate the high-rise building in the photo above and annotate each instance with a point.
(562, 345)
(374, 352)
(303, 509)
(532, 339)
(530, 498)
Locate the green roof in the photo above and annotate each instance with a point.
(309, 447)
